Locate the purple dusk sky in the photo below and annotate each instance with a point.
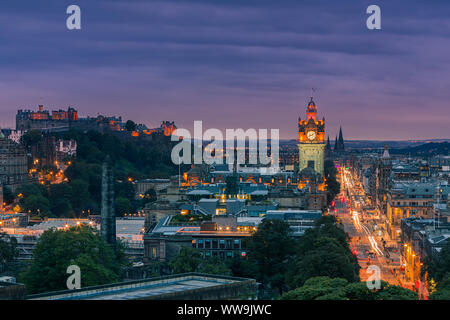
(233, 64)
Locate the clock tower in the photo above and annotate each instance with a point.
(311, 140)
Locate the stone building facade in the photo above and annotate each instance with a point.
(13, 164)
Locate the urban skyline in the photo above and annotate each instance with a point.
(239, 150)
(181, 61)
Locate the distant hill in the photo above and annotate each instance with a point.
(379, 144)
(432, 148)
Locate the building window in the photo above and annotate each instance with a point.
(236, 244)
(153, 252)
(222, 244)
(208, 254)
(207, 244)
(228, 244)
(229, 254)
(214, 244)
(200, 244)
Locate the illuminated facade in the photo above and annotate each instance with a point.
(406, 200)
(311, 140)
(222, 237)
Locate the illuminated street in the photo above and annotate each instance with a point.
(363, 226)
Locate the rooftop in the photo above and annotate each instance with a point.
(153, 288)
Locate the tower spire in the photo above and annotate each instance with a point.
(311, 110)
(328, 146)
(341, 140)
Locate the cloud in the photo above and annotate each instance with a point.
(233, 63)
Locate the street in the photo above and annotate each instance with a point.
(369, 242)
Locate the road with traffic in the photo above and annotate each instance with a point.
(369, 242)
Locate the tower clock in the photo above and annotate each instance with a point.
(311, 140)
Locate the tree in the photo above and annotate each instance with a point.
(123, 205)
(213, 265)
(82, 246)
(130, 125)
(80, 195)
(125, 190)
(326, 288)
(441, 294)
(149, 196)
(30, 189)
(438, 267)
(389, 292)
(271, 249)
(187, 260)
(330, 173)
(317, 287)
(59, 197)
(8, 249)
(359, 291)
(326, 258)
(131, 157)
(32, 137)
(36, 204)
(442, 291)
(61, 208)
(231, 185)
(8, 196)
(190, 260)
(323, 251)
(242, 267)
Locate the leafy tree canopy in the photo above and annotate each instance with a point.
(326, 288)
(82, 246)
(8, 249)
(271, 249)
(323, 251)
(190, 260)
(130, 125)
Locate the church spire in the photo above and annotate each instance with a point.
(328, 146)
(341, 140)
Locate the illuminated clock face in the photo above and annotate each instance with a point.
(311, 135)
